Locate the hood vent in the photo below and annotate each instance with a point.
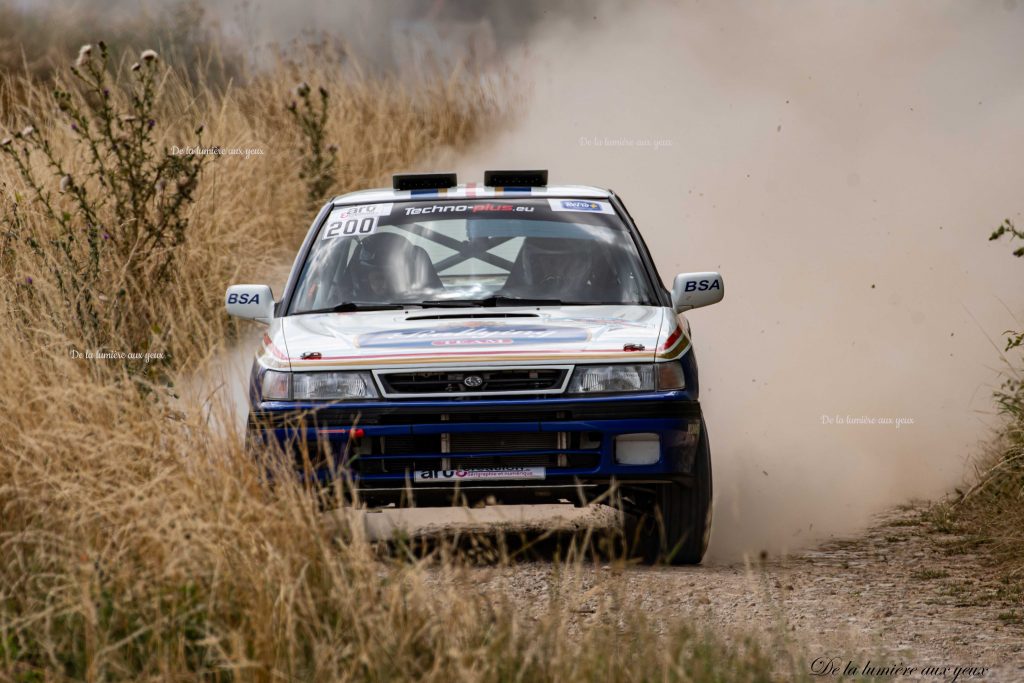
(458, 316)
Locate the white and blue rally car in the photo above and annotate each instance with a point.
(508, 341)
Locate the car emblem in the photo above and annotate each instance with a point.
(473, 381)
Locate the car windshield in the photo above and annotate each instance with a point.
(472, 252)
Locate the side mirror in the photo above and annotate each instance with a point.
(693, 290)
(254, 302)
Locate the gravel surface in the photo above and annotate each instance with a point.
(898, 594)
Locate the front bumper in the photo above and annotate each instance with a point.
(379, 444)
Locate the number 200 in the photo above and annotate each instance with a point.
(352, 226)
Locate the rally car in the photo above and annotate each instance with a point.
(508, 341)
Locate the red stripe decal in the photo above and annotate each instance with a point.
(273, 349)
(672, 338)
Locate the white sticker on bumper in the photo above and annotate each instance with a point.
(482, 474)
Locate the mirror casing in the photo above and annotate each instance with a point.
(253, 302)
(693, 290)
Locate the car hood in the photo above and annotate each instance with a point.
(506, 335)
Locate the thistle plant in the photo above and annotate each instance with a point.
(115, 208)
(319, 159)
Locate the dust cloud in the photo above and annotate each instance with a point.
(842, 164)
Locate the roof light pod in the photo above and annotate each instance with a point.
(423, 181)
(538, 178)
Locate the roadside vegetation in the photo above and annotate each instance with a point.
(133, 194)
(137, 539)
(990, 511)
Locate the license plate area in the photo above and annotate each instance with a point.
(480, 474)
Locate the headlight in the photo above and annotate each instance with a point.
(610, 379)
(333, 385)
(606, 379)
(319, 386)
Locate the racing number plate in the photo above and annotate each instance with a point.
(481, 474)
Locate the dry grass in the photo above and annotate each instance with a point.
(991, 510)
(988, 513)
(138, 542)
(35, 39)
(136, 545)
(250, 212)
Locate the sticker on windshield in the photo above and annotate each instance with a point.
(355, 221)
(485, 207)
(585, 205)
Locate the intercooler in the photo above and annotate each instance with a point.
(470, 442)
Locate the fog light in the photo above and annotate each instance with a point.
(637, 449)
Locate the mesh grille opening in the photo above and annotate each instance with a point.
(471, 381)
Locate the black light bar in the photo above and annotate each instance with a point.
(537, 178)
(423, 181)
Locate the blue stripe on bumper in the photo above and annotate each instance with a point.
(676, 416)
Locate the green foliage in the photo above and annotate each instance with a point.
(319, 159)
(1007, 228)
(1011, 395)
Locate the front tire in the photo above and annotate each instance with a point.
(677, 527)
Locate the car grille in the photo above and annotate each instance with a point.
(473, 381)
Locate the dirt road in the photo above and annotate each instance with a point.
(897, 594)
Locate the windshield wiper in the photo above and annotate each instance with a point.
(499, 300)
(352, 306)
